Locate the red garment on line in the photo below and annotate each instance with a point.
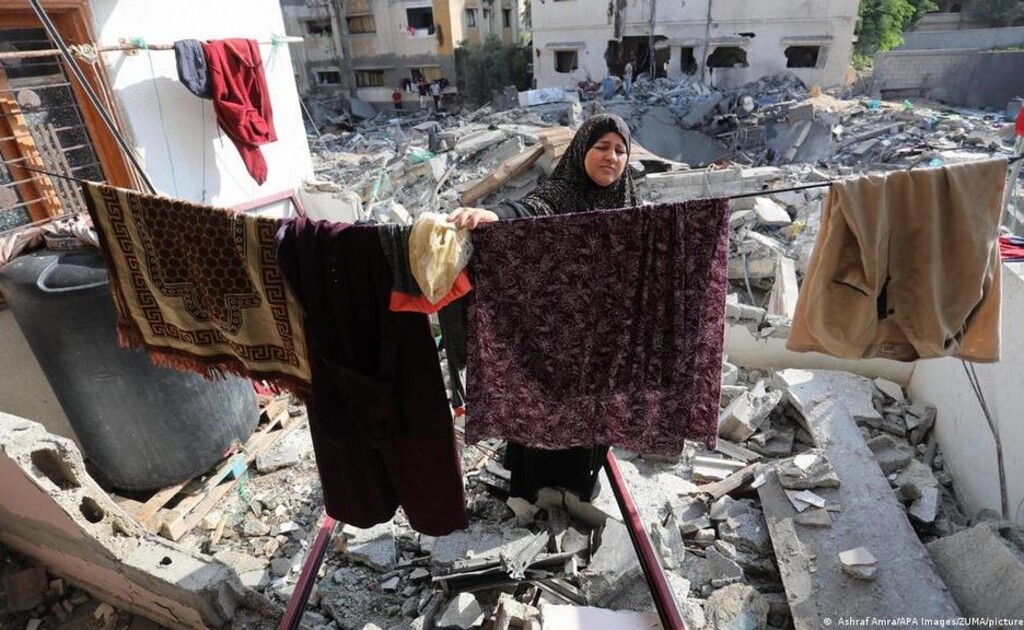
(241, 99)
(420, 304)
(1010, 250)
(1020, 122)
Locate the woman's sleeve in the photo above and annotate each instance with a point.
(528, 206)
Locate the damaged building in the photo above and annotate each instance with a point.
(725, 44)
(367, 48)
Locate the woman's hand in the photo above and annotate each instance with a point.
(470, 218)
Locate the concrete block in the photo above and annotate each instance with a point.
(51, 510)
(890, 389)
(985, 577)
(477, 142)
(613, 563)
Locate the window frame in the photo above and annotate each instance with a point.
(575, 56)
(471, 21)
(365, 16)
(361, 74)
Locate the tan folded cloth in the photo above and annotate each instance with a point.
(906, 266)
(437, 253)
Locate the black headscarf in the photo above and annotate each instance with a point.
(569, 188)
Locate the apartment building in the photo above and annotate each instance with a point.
(370, 47)
(725, 42)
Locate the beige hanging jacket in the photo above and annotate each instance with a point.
(906, 266)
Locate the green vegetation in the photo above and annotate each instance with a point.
(491, 66)
(882, 23)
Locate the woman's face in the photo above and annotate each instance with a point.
(606, 160)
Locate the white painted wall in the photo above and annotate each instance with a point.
(963, 434)
(183, 151)
(686, 24)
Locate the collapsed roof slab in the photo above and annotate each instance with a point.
(906, 584)
(51, 510)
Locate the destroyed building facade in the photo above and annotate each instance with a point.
(369, 47)
(726, 44)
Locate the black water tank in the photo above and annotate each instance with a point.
(141, 426)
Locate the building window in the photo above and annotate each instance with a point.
(728, 57)
(42, 129)
(506, 18)
(327, 77)
(319, 27)
(566, 60)
(802, 56)
(956, 8)
(369, 78)
(687, 60)
(487, 18)
(425, 73)
(361, 24)
(471, 18)
(420, 19)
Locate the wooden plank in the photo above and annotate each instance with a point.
(509, 169)
(187, 518)
(906, 585)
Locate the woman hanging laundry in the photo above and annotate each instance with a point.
(592, 175)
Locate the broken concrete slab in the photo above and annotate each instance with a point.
(907, 585)
(770, 214)
(64, 521)
(474, 143)
(510, 613)
(924, 416)
(984, 575)
(785, 290)
(668, 542)
(463, 612)
(736, 606)
(373, 547)
(692, 515)
(859, 563)
(748, 531)
(925, 509)
(613, 563)
(286, 452)
(891, 454)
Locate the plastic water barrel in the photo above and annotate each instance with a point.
(141, 426)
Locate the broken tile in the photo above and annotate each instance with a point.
(817, 472)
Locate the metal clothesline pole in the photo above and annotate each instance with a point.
(126, 47)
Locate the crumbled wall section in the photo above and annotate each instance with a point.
(53, 511)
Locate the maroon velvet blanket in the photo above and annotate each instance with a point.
(601, 327)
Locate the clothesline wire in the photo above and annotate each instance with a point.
(759, 193)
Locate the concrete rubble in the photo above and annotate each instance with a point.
(563, 563)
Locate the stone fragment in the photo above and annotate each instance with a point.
(894, 424)
(776, 442)
(747, 531)
(859, 563)
(770, 214)
(668, 541)
(926, 508)
(463, 612)
(814, 518)
(281, 567)
(255, 579)
(512, 614)
(25, 589)
(704, 537)
(373, 547)
(33, 624)
(890, 454)
(747, 412)
(983, 571)
(285, 453)
(736, 606)
(103, 613)
(59, 611)
(892, 390)
(391, 585)
(613, 564)
(720, 508)
(254, 527)
(925, 420)
(418, 574)
(721, 570)
(808, 471)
